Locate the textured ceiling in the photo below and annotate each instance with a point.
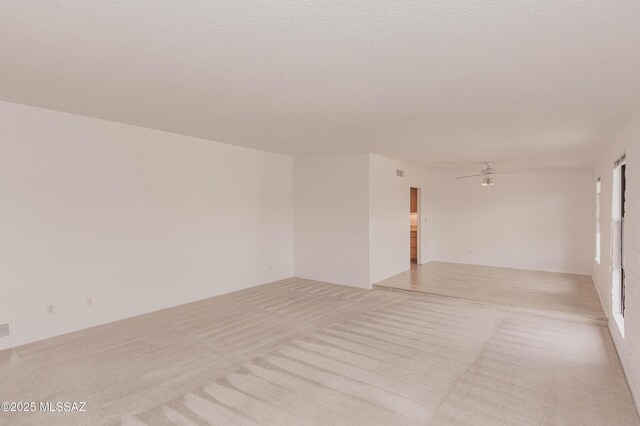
(528, 84)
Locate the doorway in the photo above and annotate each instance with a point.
(623, 188)
(414, 214)
(617, 244)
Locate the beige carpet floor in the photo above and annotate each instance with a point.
(548, 291)
(302, 353)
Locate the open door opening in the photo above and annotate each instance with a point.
(617, 245)
(414, 213)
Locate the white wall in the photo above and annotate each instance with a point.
(533, 220)
(137, 219)
(331, 241)
(628, 346)
(389, 216)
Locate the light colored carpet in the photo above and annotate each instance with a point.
(548, 291)
(303, 353)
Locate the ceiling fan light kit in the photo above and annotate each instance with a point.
(487, 181)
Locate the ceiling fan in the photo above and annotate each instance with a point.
(487, 174)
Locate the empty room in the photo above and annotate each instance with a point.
(320, 213)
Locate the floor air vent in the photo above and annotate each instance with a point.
(4, 330)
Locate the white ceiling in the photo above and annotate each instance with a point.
(528, 84)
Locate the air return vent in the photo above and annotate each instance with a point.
(4, 330)
(400, 173)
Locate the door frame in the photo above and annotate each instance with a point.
(418, 223)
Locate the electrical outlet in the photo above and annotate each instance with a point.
(51, 309)
(89, 301)
(270, 267)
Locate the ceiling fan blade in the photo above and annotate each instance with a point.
(470, 176)
(506, 173)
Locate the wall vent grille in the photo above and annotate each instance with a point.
(400, 173)
(4, 330)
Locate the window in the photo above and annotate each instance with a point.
(598, 187)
